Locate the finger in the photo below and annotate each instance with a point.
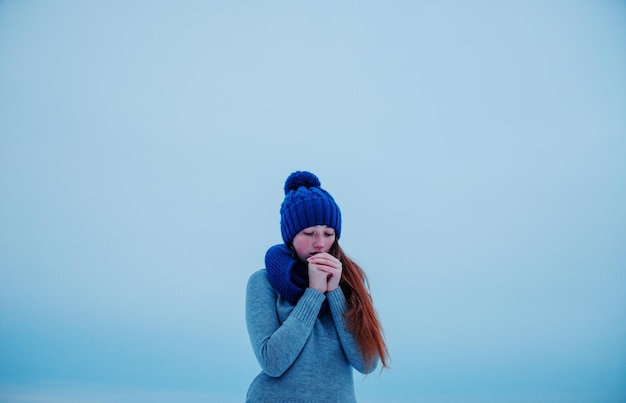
(330, 272)
(328, 267)
(325, 255)
(328, 260)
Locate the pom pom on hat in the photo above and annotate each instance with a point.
(301, 178)
(306, 204)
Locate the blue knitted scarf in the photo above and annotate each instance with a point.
(288, 275)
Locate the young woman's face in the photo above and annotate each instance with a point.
(313, 240)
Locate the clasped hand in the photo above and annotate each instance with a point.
(324, 272)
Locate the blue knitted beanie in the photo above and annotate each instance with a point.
(306, 204)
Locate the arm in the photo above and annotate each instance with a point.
(276, 345)
(338, 308)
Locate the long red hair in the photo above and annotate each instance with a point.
(361, 317)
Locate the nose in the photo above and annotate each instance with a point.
(318, 242)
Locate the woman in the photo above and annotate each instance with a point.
(309, 314)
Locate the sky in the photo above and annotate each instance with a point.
(476, 149)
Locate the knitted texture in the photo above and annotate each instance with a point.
(305, 355)
(287, 274)
(305, 205)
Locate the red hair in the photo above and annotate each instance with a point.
(361, 317)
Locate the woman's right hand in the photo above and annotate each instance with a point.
(318, 279)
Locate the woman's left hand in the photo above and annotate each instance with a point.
(329, 264)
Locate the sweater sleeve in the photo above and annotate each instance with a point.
(277, 345)
(338, 308)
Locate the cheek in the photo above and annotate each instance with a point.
(301, 247)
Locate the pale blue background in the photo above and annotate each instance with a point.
(477, 150)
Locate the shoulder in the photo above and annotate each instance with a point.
(259, 290)
(259, 275)
(259, 280)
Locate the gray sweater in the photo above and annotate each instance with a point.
(306, 355)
